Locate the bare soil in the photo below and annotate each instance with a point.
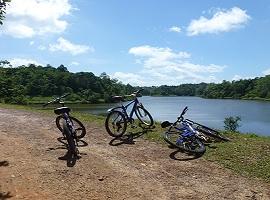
(33, 166)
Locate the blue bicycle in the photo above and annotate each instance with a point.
(118, 117)
(182, 135)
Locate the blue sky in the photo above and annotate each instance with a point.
(142, 42)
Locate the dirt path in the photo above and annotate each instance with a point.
(30, 167)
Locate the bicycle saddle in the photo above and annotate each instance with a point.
(61, 110)
(165, 124)
(118, 98)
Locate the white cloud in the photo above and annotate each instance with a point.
(28, 18)
(31, 43)
(238, 77)
(74, 63)
(15, 62)
(42, 48)
(131, 78)
(222, 21)
(266, 72)
(165, 66)
(66, 46)
(175, 29)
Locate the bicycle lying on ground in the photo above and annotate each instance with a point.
(71, 128)
(182, 135)
(188, 135)
(118, 117)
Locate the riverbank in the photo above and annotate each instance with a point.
(246, 154)
(33, 165)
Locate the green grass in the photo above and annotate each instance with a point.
(246, 154)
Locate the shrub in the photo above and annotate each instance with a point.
(232, 123)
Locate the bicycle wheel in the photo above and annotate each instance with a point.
(212, 133)
(116, 123)
(144, 116)
(70, 140)
(78, 126)
(190, 144)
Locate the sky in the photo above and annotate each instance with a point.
(142, 42)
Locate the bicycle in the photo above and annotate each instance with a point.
(202, 132)
(71, 128)
(182, 135)
(118, 117)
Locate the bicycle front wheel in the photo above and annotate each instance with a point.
(192, 144)
(144, 116)
(77, 124)
(70, 140)
(116, 123)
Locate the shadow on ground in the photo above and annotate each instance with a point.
(70, 157)
(184, 156)
(5, 195)
(129, 138)
(4, 163)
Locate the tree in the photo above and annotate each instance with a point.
(3, 5)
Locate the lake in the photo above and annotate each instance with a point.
(255, 115)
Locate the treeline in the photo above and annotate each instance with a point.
(28, 83)
(257, 88)
(21, 84)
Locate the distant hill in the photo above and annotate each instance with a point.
(30, 83)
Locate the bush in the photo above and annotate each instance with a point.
(232, 123)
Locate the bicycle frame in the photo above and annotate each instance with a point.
(124, 108)
(186, 131)
(69, 123)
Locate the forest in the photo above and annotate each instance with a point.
(32, 83)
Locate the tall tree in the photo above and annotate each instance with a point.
(3, 6)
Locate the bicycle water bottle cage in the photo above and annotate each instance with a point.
(61, 110)
(118, 98)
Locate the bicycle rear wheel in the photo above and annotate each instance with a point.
(190, 144)
(144, 116)
(70, 140)
(77, 124)
(116, 123)
(212, 133)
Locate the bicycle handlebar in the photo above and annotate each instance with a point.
(183, 113)
(56, 100)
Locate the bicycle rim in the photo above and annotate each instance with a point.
(116, 124)
(144, 116)
(192, 144)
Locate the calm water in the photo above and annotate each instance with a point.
(255, 115)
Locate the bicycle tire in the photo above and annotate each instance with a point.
(141, 112)
(173, 137)
(121, 123)
(70, 140)
(78, 125)
(212, 133)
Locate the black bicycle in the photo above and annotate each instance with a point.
(118, 117)
(71, 128)
(182, 135)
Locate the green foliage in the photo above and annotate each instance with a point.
(3, 5)
(232, 123)
(18, 85)
(258, 88)
(86, 87)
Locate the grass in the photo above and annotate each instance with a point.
(246, 154)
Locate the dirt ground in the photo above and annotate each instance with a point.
(33, 166)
